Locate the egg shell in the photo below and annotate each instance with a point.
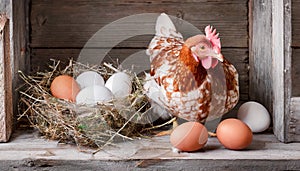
(89, 78)
(189, 136)
(64, 87)
(255, 115)
(234, 134)
(119, 84)
(94, 94)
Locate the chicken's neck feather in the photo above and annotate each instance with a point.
(196, 68)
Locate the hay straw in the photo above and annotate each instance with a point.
(93, 126)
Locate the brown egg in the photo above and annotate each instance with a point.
(64, 87)
(234, 134)
(189, 136)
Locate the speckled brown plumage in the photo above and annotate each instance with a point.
(183, 86)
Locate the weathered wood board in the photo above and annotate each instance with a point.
(68, 23)
(260, 52)
(285, 49)
(6, 106)
(12, 57)
(295, 14)
(29, 152)
(296, 72)
(282, 66)
(294, 125)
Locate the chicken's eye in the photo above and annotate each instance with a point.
(202, 47)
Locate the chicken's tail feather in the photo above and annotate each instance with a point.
(165, 27)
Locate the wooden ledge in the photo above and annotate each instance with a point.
(27, 151)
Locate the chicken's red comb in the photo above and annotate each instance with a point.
(213, 37)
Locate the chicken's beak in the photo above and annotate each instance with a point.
(220, 57)
(217, 55)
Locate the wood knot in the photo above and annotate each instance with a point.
(41, 20)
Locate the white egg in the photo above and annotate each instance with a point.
(89, 78)
(255, 115)
(94, 94)
(119, 84)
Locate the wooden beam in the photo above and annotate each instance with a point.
(260, 52)
(278, 72)
(6, 105)
(20, 59)
(13, 42)
(281, 60)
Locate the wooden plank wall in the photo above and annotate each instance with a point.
(296, 48)
(59, 29)
(294, 122)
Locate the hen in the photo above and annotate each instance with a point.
(191, 79)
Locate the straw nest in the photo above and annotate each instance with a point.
(93, 126)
